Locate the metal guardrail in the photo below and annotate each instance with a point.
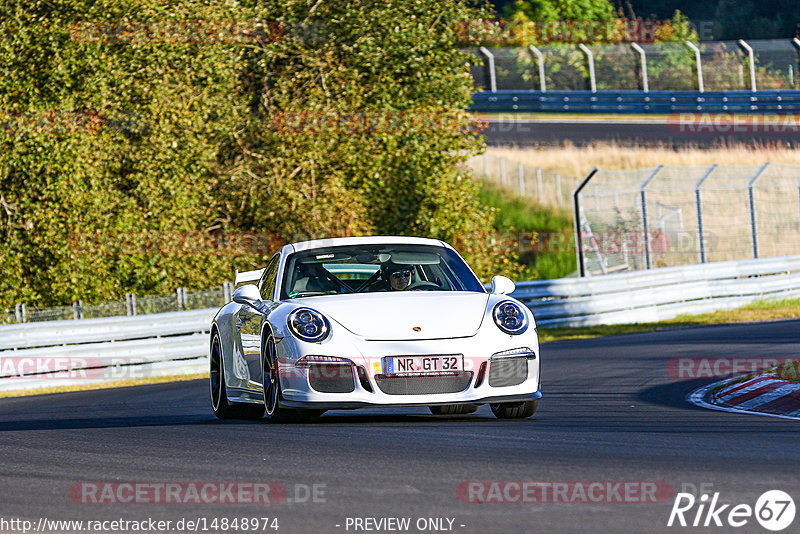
(659, 294)
(662, 102)
(54, 333)
(60, 353)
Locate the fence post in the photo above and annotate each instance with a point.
(503, 171)
(20, 313)
(648, 261)
(751, 59)
(485, 164)
(576, 205)
(643, 66)
(181, 293)
(558, 189)
(699, 61)
(77, 309)
(492, 73)
(521, 180)
(540, 59)
(130, 303)
(590, 60)
(227, 292)
(699, 205)
(753, 221)
(539, 185)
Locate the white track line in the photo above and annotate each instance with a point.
(767, 397)
(697, 397)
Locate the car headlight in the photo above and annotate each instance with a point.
(308, 325)
(510, 317)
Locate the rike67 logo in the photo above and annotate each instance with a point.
(774, 510)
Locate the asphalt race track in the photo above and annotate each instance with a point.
(631, 132)
(610, 412)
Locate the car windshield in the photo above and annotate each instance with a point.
(375, 268)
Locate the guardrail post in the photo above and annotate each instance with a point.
(590, 61)
(699, 62)
(540, 59)
(503, 171)
(751, 59)
(490, 64)
(645, 227)
(750, 193)
(521, 173)
(576, 204)
(227, 292)
(642, 65)
(699, 204)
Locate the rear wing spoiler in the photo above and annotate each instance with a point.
(247, 277)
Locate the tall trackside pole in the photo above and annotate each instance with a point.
(751, 194)
(492, 72)
(576, 204)
(590, 60)
(645, 226)
(752, 60)
(699, 204)
(540, 60)
(643, 63)
(698, 60)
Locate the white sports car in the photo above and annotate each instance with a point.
(368, 322)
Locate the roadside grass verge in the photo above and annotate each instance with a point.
(520, 218)
(104, 385)
(763, 310)
(789, 371)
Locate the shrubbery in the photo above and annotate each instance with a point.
(120, 133)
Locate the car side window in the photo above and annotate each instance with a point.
(270, 278)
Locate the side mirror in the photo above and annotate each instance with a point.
(502, 285)
(247, 294)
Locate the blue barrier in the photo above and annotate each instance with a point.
(664, 102)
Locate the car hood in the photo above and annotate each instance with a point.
(397, 316)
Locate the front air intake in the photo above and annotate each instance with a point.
(506, 372)
(423, 385)
(331, 377)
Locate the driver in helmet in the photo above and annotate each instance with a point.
(398, 277)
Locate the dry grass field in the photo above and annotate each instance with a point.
(577, 161)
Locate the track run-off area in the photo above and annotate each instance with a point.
(612, 415)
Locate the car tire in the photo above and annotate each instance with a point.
(453, 409)
(515, 410)
(274, 412)
(219, 396)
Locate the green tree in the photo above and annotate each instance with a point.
(121, 135)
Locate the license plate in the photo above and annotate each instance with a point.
(413, 365)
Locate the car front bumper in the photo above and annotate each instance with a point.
(364, 389)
